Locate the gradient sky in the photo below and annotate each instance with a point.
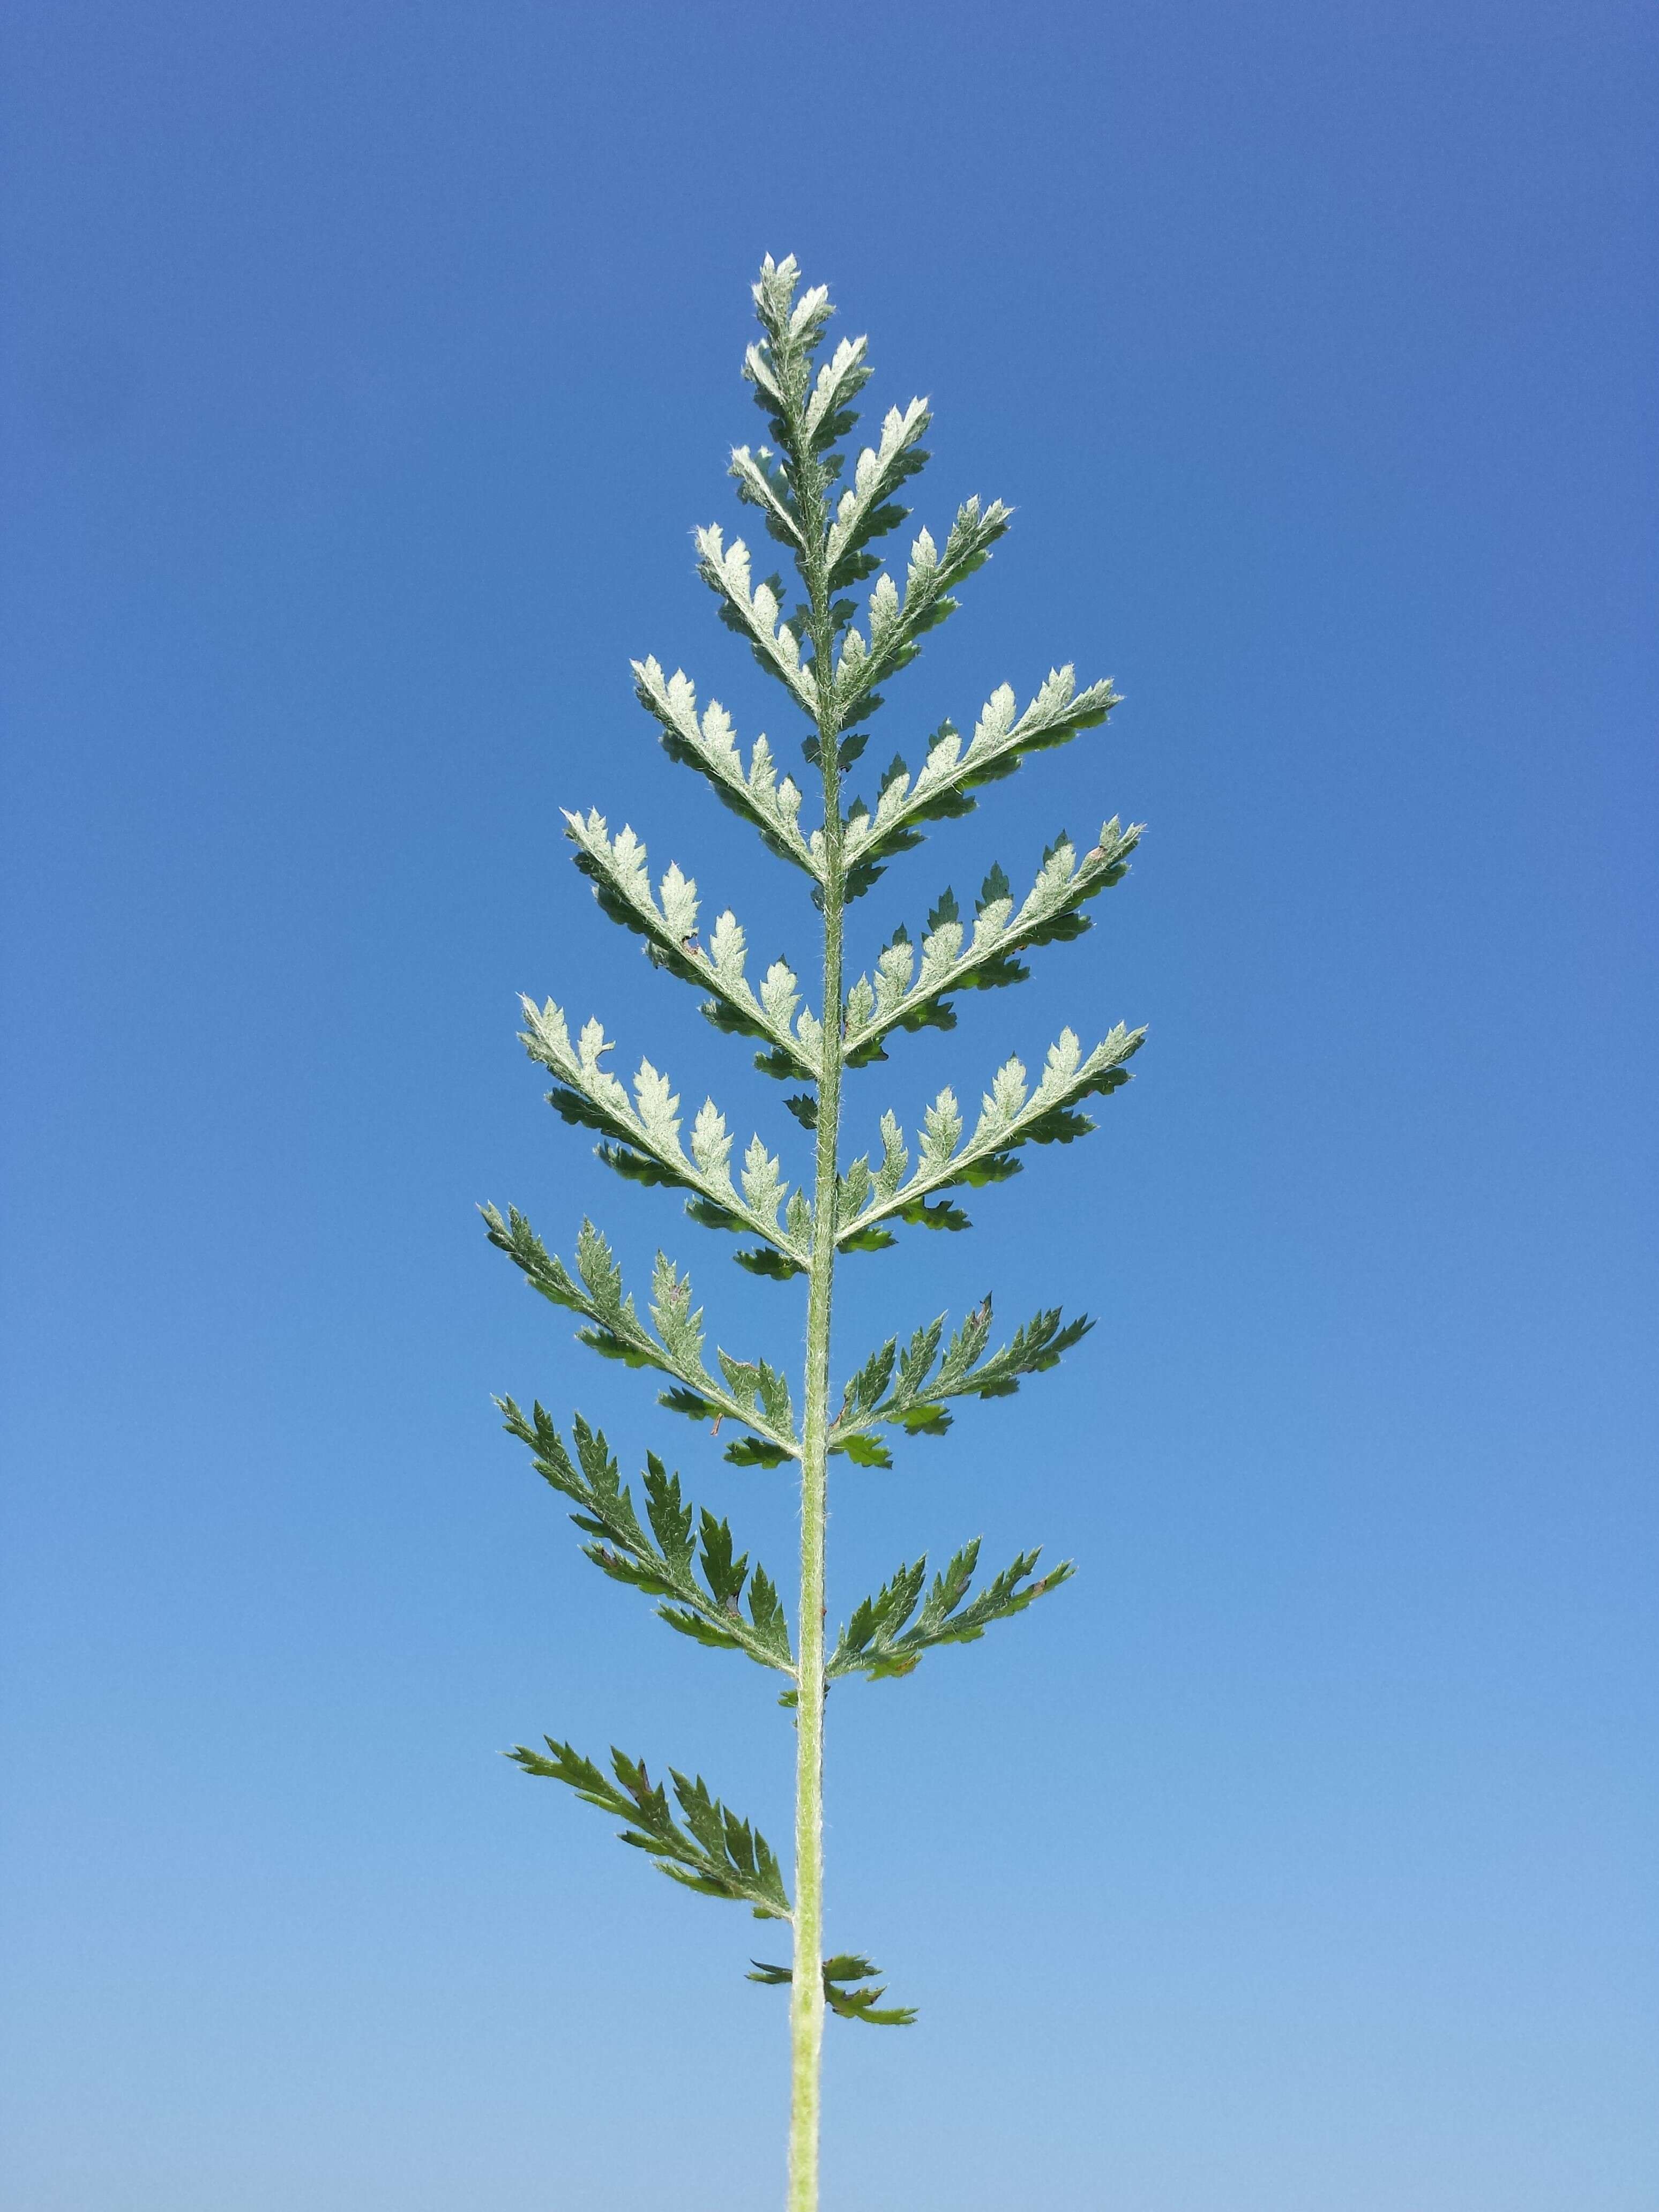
(367, 369)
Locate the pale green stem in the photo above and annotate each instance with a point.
(806, 2007)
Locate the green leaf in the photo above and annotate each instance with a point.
(691, 1403)
(866, 510)
(945, 910)
(763, 483)
(914, 1401)
(675, 1349)
(866, 1240)
(662, 1561)
(863, 1391)
(755, 1451)
(924, 1420)
(846, 2003)
(864, 1451)
(833, 651)
(877, 1643)
(944, 784)
(754, 1383)
(904, 995)
(993, 890)
(861, 2004)
(755, 612)
(941, 1214)
(709, 746)
(644, 1131)
(897, 624)
(713, 1852)
(698, 1628)
(760, 1260)
(1011, 1115)
(621, 885)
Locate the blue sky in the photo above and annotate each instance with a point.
(367, 369)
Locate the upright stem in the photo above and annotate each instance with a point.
(806, 2007)
(806, 1996)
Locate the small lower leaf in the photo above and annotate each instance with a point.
(868, 1239)
(865, 1451)
(941, 1214)
(688, 1403)
(846, 2003)
(755, 1451)
(761, 1259)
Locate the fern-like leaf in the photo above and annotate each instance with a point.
(660, 1558)
(1011, 1115)
(710, 746)
(709, 1849)
(907, 994)
(915, 1401)
(643, 1134)
(616, 1331)
(944, 786)
(882, 1641)
(667, 920)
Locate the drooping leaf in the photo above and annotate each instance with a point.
(864, 1451)
(760, 1260)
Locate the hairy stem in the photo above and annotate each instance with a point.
(807, 2011)
(806, 1994)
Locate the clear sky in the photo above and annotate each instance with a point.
(367, 368)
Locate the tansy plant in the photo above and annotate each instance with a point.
(832, 661)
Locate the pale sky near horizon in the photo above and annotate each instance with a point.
(366, 371)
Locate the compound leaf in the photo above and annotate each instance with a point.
(710, 746)
(713, 1852)
(616, 1331)
(1011, 1115)
(882, 1641)
(667, 920)
(944, 784)
(644, 1132)
(903, 994)
(659, 1561)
